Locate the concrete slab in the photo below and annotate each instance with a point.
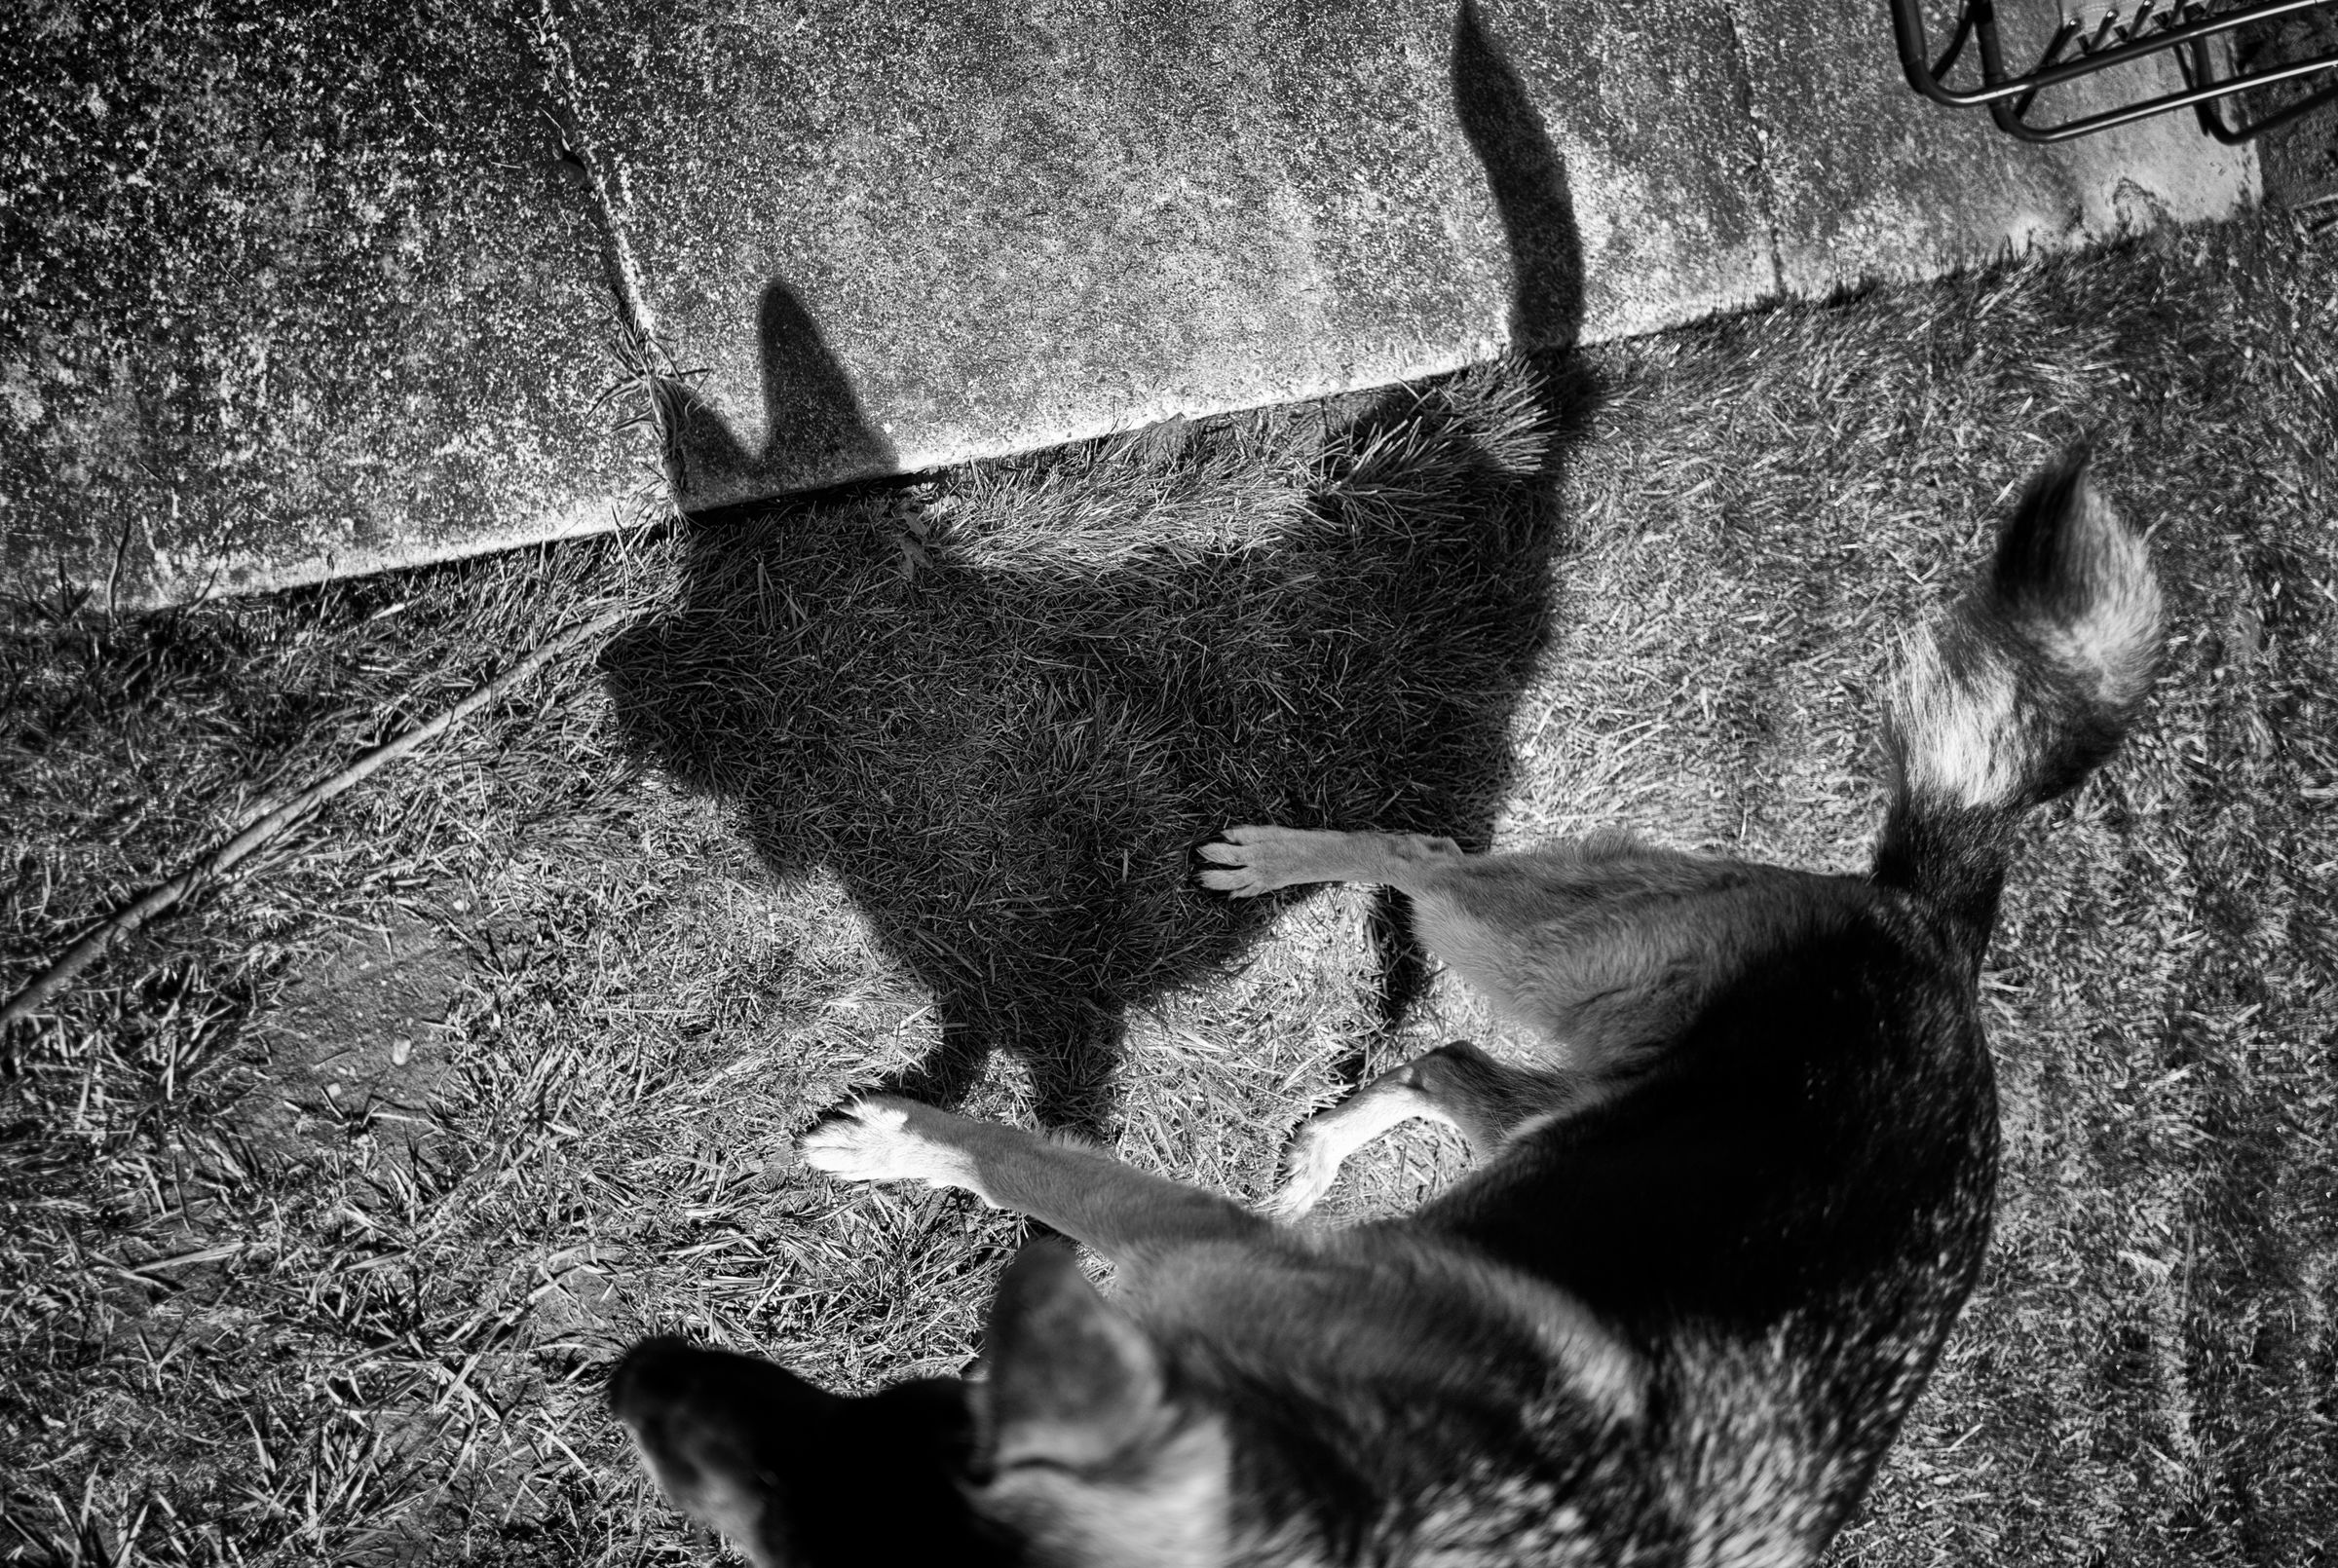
(1009, 230)
(1868, 181)
(1020, 230)
(293, 292)
(305, 292)
(979, 234)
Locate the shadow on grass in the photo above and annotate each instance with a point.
(1003, 715)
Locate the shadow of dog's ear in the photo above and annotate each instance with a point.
(1073, 1381)
(814, 431)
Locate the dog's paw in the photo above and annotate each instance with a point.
(1247, 861)
(885, 1140)
(1309, 1167)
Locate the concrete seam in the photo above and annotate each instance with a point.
(648, 365)
(604, 180)
(1768, 194)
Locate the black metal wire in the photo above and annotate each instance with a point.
(2010, 96)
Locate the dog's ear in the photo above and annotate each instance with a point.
(1073, 1381)
(723, 1435)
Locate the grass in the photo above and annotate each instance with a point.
(328, 1198)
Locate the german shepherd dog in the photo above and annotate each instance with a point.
(1722, 1223)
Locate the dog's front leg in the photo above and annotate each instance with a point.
(1096, 1200)
(1248, 861)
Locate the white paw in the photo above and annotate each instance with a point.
(1256, 860)
(872, 1140)
(1311, 1166)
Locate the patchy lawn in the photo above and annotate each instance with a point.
(328, 1198)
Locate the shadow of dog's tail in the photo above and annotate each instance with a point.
(2026, 687)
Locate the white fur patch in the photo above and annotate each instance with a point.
(1961, 745)
(1325, 1141)
(2118, 639)
(881, 1140)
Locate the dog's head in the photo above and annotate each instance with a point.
(1075, 1450)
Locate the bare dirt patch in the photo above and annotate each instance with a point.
(360, 1039)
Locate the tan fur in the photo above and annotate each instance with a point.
(1171, 1515)
(1259, 859)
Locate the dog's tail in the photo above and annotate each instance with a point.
(2027, 686)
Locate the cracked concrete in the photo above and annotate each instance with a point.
(301, 295)
(594, 175)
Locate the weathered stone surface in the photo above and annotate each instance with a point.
(1870, 181)
(304, 290)
(293, 291)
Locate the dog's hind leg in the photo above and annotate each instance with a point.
(1089, 1196)
(1458, 1084)
(1248, 861)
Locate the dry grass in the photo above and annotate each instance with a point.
(880, 786)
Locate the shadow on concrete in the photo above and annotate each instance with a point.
(814, 431)
(1528, 180)
(1002, 720)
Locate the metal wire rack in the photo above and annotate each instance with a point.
(2093, 36)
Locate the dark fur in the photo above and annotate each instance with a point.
(1725, 1218)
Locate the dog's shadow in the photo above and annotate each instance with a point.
(1004, 717)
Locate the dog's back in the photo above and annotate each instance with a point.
(1722, 1229)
